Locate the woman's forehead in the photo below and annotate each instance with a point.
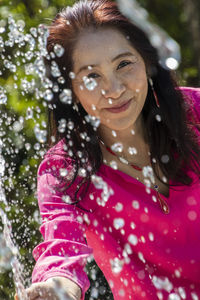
(96, 46)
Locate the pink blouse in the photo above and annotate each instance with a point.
(143, 253)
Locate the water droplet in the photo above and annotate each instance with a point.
(72, 75)
(135, 204)
(3, 97)
(48, 95)
(17, 126)
(33, 31)
(116, 265)
(174, 296)
(59, 50)
(172, 63)
(132, 225)
(151, 236)
(2, 30)
(55, 69)
(90, 83)
(162, 283)
(121, 293)
(117, 147)
(123, 160)
(158, 118)
(28, 146)
(133, 132)
(127, 250)
(114, 133)
(94, 121)
(148, 172)
(29, 113)
(61, 80)
(36, 146)
(63, 172)
(110, 101)
(194, 296)
(82, 172)
(192, 215)
(2, 166)
(62, 125)
(182, 292)
(70, 125)
(165, 158)
(118, 223)
(114, 165)
(91, 196)
(119, 207)
(66, 96)
(99, 183)
(132, 150)
(55, 88)
(41, 135)
(39, 67)
(133, 240)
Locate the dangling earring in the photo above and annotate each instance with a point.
(154, 93)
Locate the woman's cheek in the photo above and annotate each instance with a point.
(89, 101)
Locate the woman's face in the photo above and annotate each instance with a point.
(117, 98)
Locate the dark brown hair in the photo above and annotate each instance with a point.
(171, 136)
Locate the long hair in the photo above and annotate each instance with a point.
(171, 136)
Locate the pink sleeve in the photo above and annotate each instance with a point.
(192, 97)
(64, 251)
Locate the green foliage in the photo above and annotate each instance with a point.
(170, 16)
(22, 151)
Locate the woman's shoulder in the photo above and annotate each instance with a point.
(192, 103)
(56, 161)
(60, 148)
(193, 94)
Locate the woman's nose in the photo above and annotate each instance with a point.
(114, 89)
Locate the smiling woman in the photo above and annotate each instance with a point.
(121, 178)
(119, 71)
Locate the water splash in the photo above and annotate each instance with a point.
(11, 258)
(99, 183)
(168, 49)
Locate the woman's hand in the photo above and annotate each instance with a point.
(55, 288)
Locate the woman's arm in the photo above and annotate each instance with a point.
(64, 251)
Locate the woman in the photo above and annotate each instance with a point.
(121, 180)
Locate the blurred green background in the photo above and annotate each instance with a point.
(24, 110)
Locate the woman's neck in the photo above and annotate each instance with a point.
(133, 137)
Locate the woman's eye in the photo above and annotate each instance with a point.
(123, 64)
(93, 75)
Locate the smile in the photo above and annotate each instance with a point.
(118, 109)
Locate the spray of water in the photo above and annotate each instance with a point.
(168, 49)
(9, 251)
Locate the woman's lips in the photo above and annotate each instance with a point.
(121, 108)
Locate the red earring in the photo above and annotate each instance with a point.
(154, 93)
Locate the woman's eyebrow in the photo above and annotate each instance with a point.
(115, 58)
(122, 55)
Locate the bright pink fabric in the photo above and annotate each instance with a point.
(148, 245)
